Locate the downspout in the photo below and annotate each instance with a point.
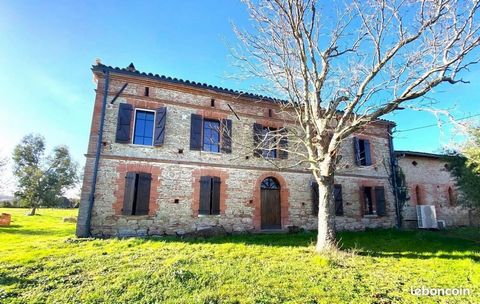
(91, 198)
(393, 168)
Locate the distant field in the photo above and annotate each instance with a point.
(42, 262)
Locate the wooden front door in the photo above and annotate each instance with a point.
(270, 204)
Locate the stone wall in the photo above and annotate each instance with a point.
(176, 169)
(430, 183)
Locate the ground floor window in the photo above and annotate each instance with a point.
(209, 195)
(337, 197)
(373, 200)
(137, 193)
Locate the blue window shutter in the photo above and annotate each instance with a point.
(380, 201)
(356, 149)
(160, 121)
(315, 198)
(215, 206)
(257, 139)
(129, 194)
(196, 126)
(143, 193)
(338, 198)
(368, 157)
(283, 145)
(205, 194)
(123, 123)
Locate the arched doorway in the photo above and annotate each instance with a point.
(270, 204)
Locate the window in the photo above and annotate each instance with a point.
(209, 195)
(362, 152)
(374, 201)
(338, 198)
(147, 91)
(269, 145)
(143, 132)
(211, 135)
(137, 193)
(368, 200)
(270, 142)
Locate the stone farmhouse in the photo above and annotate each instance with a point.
(429, 182)
(172, 156)
(172, 160)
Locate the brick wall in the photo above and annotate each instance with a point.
(176, 169)
(430, 183)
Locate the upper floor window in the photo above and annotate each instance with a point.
(143, 132)
(363, 155)
(269, 144)
(211, 135)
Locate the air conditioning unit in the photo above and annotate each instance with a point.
(427, 217)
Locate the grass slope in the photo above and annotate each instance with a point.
(42, 262)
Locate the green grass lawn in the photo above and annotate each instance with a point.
(42, 262)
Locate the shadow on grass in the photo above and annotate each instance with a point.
(390, 243)
(21, 230)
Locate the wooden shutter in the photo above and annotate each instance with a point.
(215, 209)
(205, 194)
(257, 139)
(338, 198)
(380, 201)
(129, 194)
(226, 136)
(196, 132)
(356, 150)
(160, 120)
(283, 145)
(368, 156)
(315, 200)
(143, 193)
(123, 123)
(361, 195)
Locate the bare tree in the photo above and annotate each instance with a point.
(339, 66)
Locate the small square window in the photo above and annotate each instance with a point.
(147, 91)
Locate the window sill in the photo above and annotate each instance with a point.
(370, 216)
(208, 215)
(212, 153)
(141, 146)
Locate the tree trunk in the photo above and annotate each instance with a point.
(32, 212)
(326, 217)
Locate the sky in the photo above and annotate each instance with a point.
(47, 49)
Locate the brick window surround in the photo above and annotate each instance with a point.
(196, 174)
(122, 170)
(284, 204)
(371, 184)
(372, 148)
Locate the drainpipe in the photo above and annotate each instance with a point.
(393, 168)
(91, 198)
